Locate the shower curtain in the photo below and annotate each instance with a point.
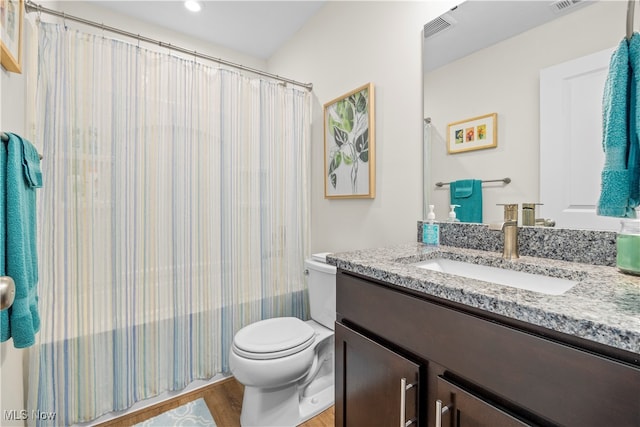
(176, 211)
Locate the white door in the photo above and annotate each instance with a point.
(571, 156)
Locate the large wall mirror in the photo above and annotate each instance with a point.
(508, 57)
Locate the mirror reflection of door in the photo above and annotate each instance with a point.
(571, 155)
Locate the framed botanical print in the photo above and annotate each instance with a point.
(349, 145)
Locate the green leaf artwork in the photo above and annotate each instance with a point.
(348, 136)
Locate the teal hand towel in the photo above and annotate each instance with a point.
(22, 177)
(616, 104)
(468, 194)
(633, 156)
(31, 165)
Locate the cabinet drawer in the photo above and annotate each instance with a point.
(558, 383)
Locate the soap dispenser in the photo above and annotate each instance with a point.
(452, 213)
(431, 216)
(431, 231)
(628, 245)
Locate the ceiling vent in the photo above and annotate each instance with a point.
(562, 5)
(438, 25)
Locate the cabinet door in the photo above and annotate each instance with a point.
(374, 385)
(459, 408)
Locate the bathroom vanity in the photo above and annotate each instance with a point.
(421, 347)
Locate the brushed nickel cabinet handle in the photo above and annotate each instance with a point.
(439, 411)
(403, 399)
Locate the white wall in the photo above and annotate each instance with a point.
(504, 78)
(345, 45)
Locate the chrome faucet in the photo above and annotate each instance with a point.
(510, 229)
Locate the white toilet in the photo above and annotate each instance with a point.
(286, 364)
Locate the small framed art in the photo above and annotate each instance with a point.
(473, 134)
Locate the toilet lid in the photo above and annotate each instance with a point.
(272, 338)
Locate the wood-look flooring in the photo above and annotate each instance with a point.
(224, 399)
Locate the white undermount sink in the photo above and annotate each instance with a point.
(516, 279)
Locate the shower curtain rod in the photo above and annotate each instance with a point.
(30, 6)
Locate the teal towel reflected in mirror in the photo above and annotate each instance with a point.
(468, 194)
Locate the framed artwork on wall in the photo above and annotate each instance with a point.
(473, 134)
(11, 19)
(349, 145)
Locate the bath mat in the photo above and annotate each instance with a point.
(194, 413)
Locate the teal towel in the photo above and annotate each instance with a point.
(468, 194)
(4, 315)
(633, 157)
(21, 170)
(620, 179)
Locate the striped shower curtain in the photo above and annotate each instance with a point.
(175, 212)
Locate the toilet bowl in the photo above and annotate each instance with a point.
(286, 364)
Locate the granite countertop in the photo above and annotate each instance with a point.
(603, 307)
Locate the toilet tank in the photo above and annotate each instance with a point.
(322, 290)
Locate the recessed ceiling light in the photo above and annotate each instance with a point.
(193, 5)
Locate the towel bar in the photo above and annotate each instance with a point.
(505, 180)
(5, 138)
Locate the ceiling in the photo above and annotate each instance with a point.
(256, 28)
(260, 27)
(474, 25)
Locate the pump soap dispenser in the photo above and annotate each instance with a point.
(452, 213)
(431, 231)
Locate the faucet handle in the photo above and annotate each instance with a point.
(510, 211)
(529, 213)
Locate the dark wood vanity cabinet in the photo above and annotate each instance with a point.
(477, 370)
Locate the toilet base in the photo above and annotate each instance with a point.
(270, 407)
(283, 407)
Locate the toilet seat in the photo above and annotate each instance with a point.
(273, 338)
